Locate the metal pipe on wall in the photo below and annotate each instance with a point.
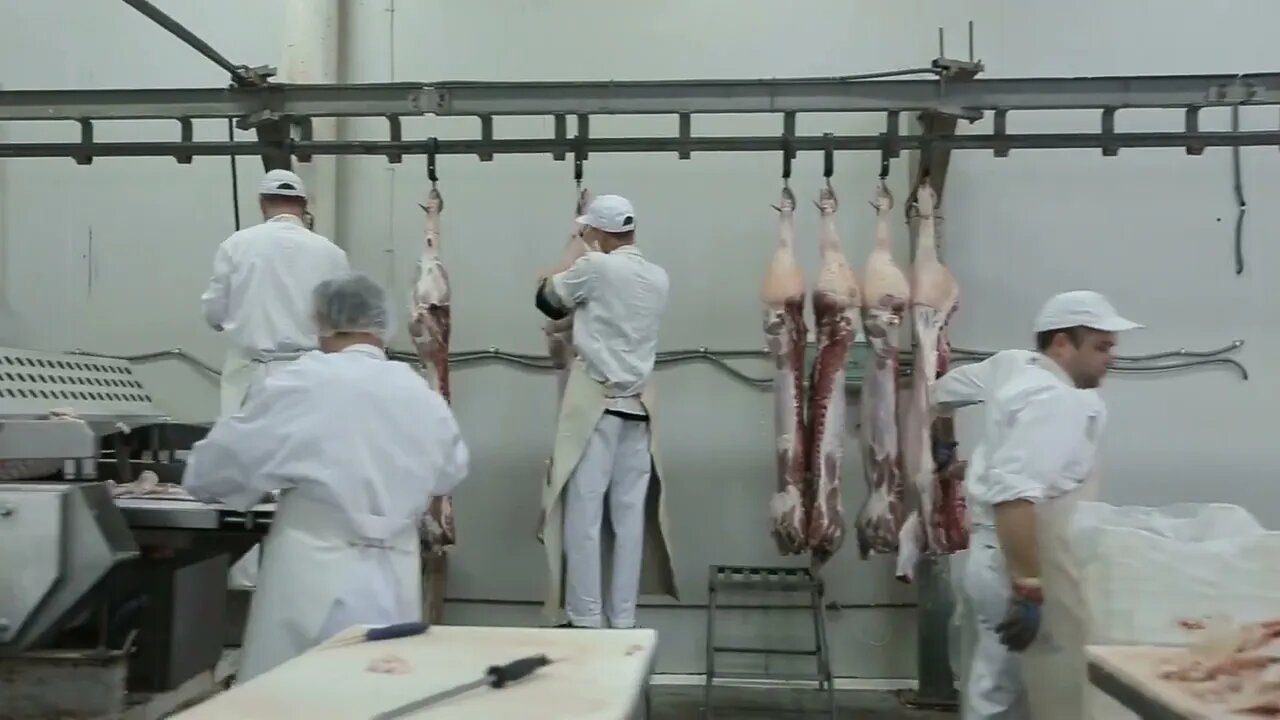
(311, 54)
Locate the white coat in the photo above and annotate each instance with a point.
(618, 300)
(259, 296)
(357, 444)
(1039, 443)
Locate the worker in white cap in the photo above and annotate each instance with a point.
(1036, 459)
(259, 297)
(357, 445)
(604, 455)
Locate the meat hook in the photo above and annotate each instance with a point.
(433, 146)
(828, 157)
(787, 154)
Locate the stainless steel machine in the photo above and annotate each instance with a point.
(88, 577)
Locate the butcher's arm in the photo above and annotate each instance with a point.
(961, 386)
(559, 292)
(246, 455)
(1035, 453)
(216, 298)
(454, 459)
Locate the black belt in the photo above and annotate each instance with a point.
(627, 415)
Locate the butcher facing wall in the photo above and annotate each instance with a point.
(112, 257)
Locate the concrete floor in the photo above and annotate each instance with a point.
(734, 703)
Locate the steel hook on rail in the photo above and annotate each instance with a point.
(580, 148)
(828, 156)
(788, 152)
(433, 146)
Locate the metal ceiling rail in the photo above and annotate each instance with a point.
(796, 95)
(395, 150)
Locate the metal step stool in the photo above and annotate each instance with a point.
(739, 579)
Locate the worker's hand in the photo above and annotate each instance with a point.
(1021, 623)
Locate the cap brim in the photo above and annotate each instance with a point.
(1117, 324)
(582, 220)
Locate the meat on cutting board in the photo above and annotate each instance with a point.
(934, 298)
(560, 332)
(785, 336)
(836, 303)
(429, 329)
(885, 293)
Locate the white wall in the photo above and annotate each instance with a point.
(112, 257)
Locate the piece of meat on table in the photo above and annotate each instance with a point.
(885, 293)
(560, 332)
(836, 302)
(389, 665)
(935, 296)
(429, 329)
(785, 336)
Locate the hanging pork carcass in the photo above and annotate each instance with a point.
(886, 294)
(785, 336)
(836, 302)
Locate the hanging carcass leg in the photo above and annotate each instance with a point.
(785, 335)
(560, 332)
(885, 294)
(429, 327)
(835, 312)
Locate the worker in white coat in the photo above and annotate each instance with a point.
(356, 444)
(992, 687)
(1036, 460)
(604, 455)
(259, 296)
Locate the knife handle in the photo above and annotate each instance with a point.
(501, 675)
(391, 632)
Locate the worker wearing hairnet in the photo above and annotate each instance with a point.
(1036, 460)
(259, 297)
(357, 445)
(604, 454)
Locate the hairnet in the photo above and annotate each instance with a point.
(351, 303)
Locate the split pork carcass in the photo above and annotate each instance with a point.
(937, 481)
(560, 332)
(429, 328)
(785, 336)
(836, 302)
(886, 294)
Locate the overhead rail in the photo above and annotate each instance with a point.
(952, 92)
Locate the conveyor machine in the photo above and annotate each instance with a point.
(82, 570)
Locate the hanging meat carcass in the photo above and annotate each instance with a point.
(886, 294)
(934, 474)
(429, 329)
(560, 332)
(785, 336)
(835, 311)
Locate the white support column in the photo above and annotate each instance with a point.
(311, 55)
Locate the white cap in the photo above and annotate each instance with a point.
(1081, 308)
(610, 213)
(282, 182)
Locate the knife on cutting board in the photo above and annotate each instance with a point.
(497, 677)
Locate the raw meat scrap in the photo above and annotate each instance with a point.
(785, 334)
(389, 665)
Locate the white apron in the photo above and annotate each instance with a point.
(324, 572)
(1054, 667)
(240, 374)
(581, 408)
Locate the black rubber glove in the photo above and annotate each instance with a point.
(1021, 624)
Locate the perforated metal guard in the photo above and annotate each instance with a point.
(97, 389)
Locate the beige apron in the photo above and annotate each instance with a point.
(240, 374)
(1054, 667)
(581, 408)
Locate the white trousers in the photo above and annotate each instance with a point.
(994, 690)
(615, 466)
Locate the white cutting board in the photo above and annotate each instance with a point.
(1138, 666)
(596, 675)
